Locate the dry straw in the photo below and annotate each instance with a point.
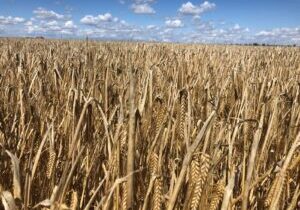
(120, 125)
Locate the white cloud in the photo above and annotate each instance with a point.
(189, 8)
(236, 27)
(197, 18)
(51, 28)
(265, 33)
(151, 27)
(70, 25)
(143, 8)
(96, 20)
(123, 22)
(51, 23)
(89, 20)
(9, 20)
(107, 26)
(105, 17)
(176, 23)
(206, 6)
(214, 32)
(28, 23)
(279, 35)
(44, 14)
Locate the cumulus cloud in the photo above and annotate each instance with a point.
(70, 25)
(143, 8)
(107, 26)
(265, 33)
(49, 23)
(238, 28)
(51, 28)
(197, 18)
(176, 23)
(171, 30)
(214, 32)
(96, 20)
(9, 20)
(28, 23)
(279, 35)
(151, 27)
(280, 32)
(44, 14)
(118, 33)
(11, 26)
(189, 8)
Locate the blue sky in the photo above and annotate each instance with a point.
(215, 21)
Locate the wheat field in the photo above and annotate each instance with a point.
(148, 126)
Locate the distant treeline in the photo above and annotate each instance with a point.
(267, 45)
(37, 37)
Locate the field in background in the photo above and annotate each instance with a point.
(91, 125)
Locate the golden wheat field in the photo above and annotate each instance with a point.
(148, 126)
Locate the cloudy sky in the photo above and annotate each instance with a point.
(213, 21)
